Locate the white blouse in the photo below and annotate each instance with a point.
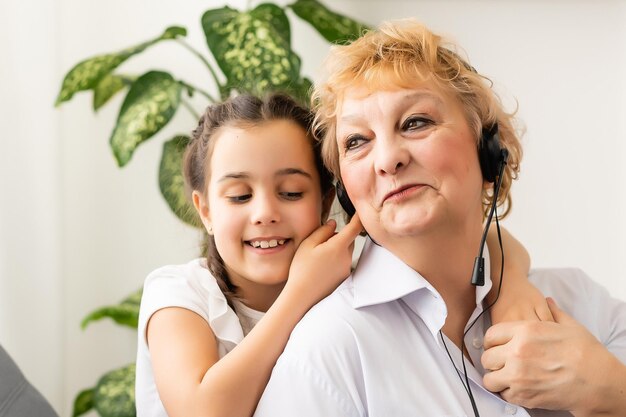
(373, 347)
(189, 286)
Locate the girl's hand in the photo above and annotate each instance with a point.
(322, 261)
(520, 300)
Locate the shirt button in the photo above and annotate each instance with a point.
(510, 409)
(477, 343)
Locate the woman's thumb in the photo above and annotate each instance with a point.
(559, 315)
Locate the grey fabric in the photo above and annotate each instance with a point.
(18, 398)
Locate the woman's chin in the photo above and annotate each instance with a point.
(405, 223)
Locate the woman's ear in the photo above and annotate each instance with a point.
(202, 207)
(327, 203)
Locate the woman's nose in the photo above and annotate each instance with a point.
(265, 211)
(390, 156)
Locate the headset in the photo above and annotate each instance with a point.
(492, 157)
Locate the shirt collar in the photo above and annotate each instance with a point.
(381, 277)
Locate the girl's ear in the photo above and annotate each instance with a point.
(327, 203)
(202, 207)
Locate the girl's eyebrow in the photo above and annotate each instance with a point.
(279, 173)
(235, 176)
(293, 171)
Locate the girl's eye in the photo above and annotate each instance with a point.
(238, 199)
(291, 195)
(354, 141)
(415, 123)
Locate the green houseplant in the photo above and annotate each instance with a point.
(252, 50)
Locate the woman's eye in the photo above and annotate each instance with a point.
(291, 195)
(416, 123)
(353, 142)
(239, 198)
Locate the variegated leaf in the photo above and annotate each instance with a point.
(171, 180)
(83, 402)
(88, 73)
(125, 313)
(149, 105)
(302, 91)
(108, 86)
(275, 17)
(114, 395)
(252, 48)
(334, 27)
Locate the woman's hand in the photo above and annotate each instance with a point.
(553, 365)
(322, 261)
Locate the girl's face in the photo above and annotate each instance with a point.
(264, 198)
(409, 162)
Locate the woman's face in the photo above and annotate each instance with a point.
(409, 162)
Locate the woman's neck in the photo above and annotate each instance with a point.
(446, 261)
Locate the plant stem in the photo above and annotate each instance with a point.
(190, 109)
(199, 90)
(202, 58)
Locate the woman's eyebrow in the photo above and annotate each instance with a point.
(414, 97)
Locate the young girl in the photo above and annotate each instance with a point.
(211, 330)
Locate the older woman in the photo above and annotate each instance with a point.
(417, 138)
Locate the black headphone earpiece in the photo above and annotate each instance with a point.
(490, 153)
(493, 158)
(344, 200)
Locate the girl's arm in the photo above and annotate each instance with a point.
(519, 299)
(190, 377)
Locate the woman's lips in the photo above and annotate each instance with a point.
(403, 192)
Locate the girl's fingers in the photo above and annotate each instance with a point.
(321, 234)
(346, 236)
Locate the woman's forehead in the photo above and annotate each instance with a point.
(358, 101)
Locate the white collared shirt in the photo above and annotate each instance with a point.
(373, 347)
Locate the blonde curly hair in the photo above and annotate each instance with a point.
(402, 54)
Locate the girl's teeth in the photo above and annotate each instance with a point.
(264, 244)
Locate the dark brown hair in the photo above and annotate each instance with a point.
(241, 111)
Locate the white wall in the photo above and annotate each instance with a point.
(76, 232)
(31, 284)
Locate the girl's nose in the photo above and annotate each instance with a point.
(265, 211)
